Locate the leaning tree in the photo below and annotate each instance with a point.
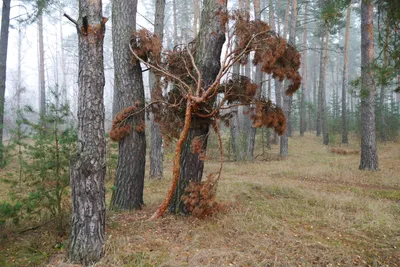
(197, 90)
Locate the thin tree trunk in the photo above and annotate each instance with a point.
(345, 77)
(174, 21)
(129, 178)
(42, 81)
(284, 142)
(251, 140)
(322, 87)
(210, 41)
(304, 76)
(234, 124)
(5, 23)
(382, 91)
(88, 165)
(19, 72)
(64, 94)
(286, 25)
(269, 130)
(156, 150)
(369, 154)
(196, 11)
(276, 81)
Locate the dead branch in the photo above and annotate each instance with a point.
(177, 161)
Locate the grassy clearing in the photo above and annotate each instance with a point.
(314, 208)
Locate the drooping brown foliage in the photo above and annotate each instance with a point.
(146, 45)
(269, 115)
(199, 199)
(276, 56)
(122, 125)
(238, 89)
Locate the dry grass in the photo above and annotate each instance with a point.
(314, 208)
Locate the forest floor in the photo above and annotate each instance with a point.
(315, 208)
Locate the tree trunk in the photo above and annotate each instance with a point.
(174, 21)
(382, 91)
(129, 178)
(88, 165)
(196, 12)
(322, 87)
(234, 125)
(251, 140)
(304, 76)
(315, 88)
(268, 136)
(277, 83)
(5, 23)
(64, 94)
(210, 41)
(284, 142)
(345, 76)
(369, 155)
(156, 150)
(42, 81)
(19, 72)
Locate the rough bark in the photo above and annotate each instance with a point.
(156, 149)
(284, 142)
(304, 76)
(42, 81)
(5, 24)
(88, 165)
(369, 154)
(344, 80)
(129, 178)
(210, 41)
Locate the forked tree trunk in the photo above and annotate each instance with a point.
(210, 41)
(156, 150)
(129, 178)
(345, 76)
(369, 154)
(5, 24)
(88, 165)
